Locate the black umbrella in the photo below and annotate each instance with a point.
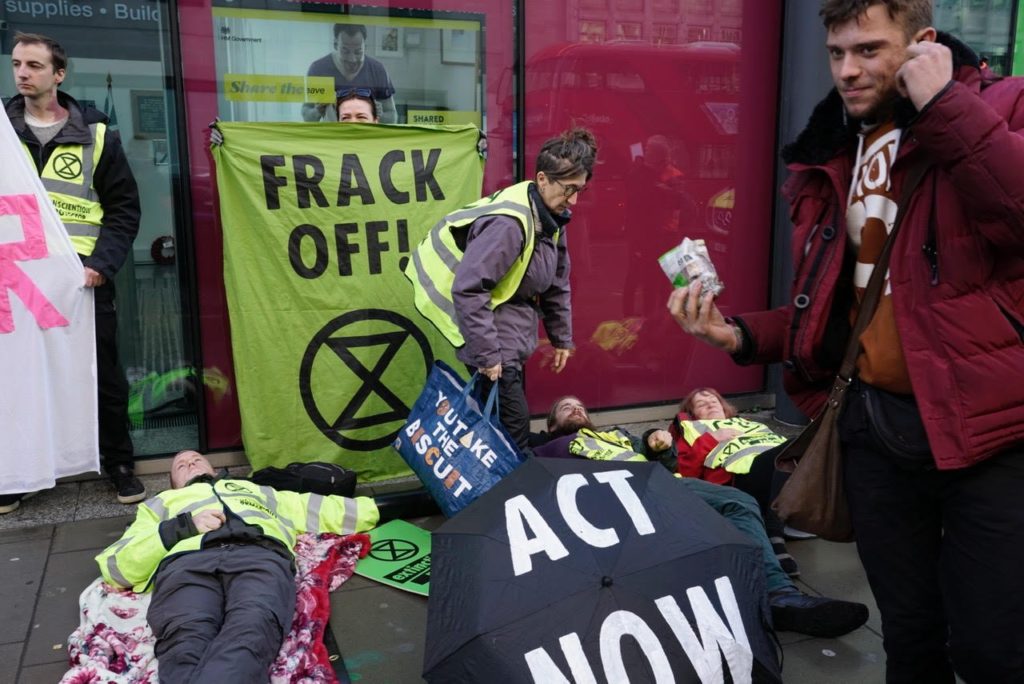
(595, 571)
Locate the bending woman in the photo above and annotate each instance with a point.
(487, 273)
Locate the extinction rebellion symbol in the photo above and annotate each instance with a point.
(342, 339)
(393, 550)
(68, 166)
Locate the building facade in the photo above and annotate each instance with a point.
(683, 96)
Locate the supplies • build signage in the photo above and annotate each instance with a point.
(318, 223)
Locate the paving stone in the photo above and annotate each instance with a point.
(856, 658)
(21, 567)
(26, 533)
(380, 633)
(830, 569)
(97, 499)
(43, 508)
(10, 654)
(89, 534)
(56, 616)
(43, 674)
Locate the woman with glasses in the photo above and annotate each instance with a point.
(357, 105)
(489, 272)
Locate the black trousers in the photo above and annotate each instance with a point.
(944, 555)
(514, 412)
(112, 387)
(219, 615)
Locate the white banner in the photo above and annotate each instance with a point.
(48, 418)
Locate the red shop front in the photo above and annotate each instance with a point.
(682, 98)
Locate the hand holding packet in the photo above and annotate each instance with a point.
(689, 262)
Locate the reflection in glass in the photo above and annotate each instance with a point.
(421, 69)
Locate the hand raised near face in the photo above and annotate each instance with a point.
(929, 67)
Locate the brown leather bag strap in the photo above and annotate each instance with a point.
(873, 291)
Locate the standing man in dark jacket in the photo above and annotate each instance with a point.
(933, 429)
(86, 174)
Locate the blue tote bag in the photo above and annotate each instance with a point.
(457, 448)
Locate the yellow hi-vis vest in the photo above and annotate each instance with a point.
(68, 177)
(132, 560)
(611, 445)
(433, 263)
(736, 455)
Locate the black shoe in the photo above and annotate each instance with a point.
(787, 561)
(129, 489)
(794, 611)
(10, 502)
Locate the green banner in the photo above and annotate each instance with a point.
(399, 557)
(319, 221)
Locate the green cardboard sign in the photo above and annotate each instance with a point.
(399, 557)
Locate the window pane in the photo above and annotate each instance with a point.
(446, 60)
(983, 24)
(120, 63)
(684, 115)
(424, 68)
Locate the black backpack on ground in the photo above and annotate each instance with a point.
(315, 478)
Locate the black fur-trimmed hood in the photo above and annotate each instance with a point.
(829, 129)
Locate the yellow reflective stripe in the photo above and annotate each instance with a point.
(436, 297)
(112, 568)
(603, 449)
(692, 430)
(313, 513)
(350, 518)
(750, 451)
(250, 513)
(158, 507)
(195, 505)
(82, 230)
(447, 257)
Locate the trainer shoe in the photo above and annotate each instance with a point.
(129, 489)
(818, 616)
(10, 502)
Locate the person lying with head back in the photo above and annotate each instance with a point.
(218, 554)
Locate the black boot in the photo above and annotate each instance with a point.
(819, 616)
(129, 489)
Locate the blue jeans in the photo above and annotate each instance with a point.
(743, 512)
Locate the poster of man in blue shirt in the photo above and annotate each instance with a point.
(350, 67)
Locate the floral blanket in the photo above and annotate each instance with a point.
(114, 645)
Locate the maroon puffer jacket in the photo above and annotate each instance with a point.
(956, 271)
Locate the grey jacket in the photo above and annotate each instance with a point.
(508, 334)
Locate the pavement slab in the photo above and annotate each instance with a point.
(22, 564)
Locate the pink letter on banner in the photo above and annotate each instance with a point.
(13, 278)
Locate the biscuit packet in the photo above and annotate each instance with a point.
(689, 262)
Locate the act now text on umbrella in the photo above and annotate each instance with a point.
(520, 513)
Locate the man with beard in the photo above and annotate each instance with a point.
(571, 434)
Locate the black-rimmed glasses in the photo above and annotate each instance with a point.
(570, 189)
